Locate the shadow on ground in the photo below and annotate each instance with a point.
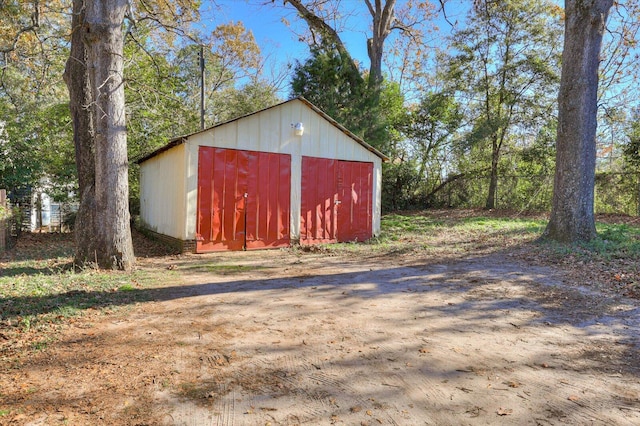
(478, 340)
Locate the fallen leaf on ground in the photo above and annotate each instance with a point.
(504, 411)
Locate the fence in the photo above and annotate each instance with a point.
(10, 226)
(3, 232)
(614, 193)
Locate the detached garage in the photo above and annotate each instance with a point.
(288, 173)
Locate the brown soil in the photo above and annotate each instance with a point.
(284, 337)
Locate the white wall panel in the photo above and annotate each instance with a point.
(162, 192)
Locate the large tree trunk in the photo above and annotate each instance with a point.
(77, 80)
(383, 18)
(105, 196)
(572, 216)
(328, 34)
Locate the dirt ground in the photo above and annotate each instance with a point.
(285, 338)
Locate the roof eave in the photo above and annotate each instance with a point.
(182, 139)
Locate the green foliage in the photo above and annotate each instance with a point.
(36, 130)
(613, 242)
(37, 147)
(617, 192)
(631, 149)
(328, 81)
(430, 130)
(504, 67)
(5, 212)
(156, 109)
(236, 102)
(400, 181)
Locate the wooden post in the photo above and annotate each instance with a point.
(3, 222)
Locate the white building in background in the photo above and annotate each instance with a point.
(46, 213)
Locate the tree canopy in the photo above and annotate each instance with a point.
(465, 104)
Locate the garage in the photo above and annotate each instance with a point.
(283, 175)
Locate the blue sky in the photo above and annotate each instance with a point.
(279, 42)
(274, 37)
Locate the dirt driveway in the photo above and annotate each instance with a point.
(285, 338)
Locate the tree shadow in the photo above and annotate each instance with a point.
(472, 278)
(51, 253)
(421, 350)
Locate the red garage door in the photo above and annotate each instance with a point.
(243, 199)
(337, 199)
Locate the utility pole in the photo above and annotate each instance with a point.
(201, 87)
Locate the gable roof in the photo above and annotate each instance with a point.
(182, 139)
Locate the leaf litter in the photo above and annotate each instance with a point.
(166, 360)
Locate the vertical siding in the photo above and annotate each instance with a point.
(267, 131)
(162, 193)
(191, 170)
(377, 197)
(291, 144)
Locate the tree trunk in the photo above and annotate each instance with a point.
(77, 80)
(638, 194)
(572, 217)
(383, 17)
(329, 35)
(493, 175)
(104, 42)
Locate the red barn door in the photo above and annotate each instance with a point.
(337, 201)
(243, 199)
(355, 191)
(319, 201)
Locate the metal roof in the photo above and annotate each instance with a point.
(182, 139)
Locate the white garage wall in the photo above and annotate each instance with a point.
(269, 130)
(162, 193)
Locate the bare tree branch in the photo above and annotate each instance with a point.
(35, 23)
(326, 31)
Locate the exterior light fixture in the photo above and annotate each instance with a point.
(298, 129)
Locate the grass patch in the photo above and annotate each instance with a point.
(126, 287)
(396, 227)
(440, 233)
(613, 242)
(32, 298)
(36, 303)
(616, 240)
